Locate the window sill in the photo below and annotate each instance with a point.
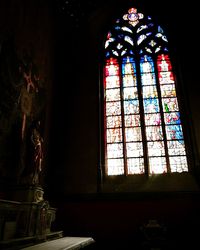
(176, 182)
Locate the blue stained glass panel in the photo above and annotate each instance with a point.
(117, 28)
(131, 107)
(172, 118)
(128, 66)
(151, 105)
(174, 132)
(146, 64)
(148, 33)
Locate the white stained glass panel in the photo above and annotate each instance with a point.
(157, 165)
(112, 69)
(127, 29)
(178, 164)
(168, 90)
(132, 120)
(148, 79)
(176, 147)
(113, 94)
(115, 150)
(152, 119)
(129, 80)
(114, 121)
(130, 93)
(141, 28)
(156, 148)
(115, 166)
(113, 108)
(133, 134)
(129, 40)
(112, 82)
(166, 77)
(141, 39)
(114, 135)
(170, 104)
(149, 92)
(154, 133)
(135, 165)
(134, 149)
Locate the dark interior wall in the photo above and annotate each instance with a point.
(31, 25)
(118, 223)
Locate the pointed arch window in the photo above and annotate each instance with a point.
(143, 131)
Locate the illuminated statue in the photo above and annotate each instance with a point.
(37, 141)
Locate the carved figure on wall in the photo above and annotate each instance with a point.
(34, 155)
(37, 141)
(30, 86)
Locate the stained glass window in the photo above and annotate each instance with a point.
(142, 120)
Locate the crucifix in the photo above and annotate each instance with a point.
(26, 101)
